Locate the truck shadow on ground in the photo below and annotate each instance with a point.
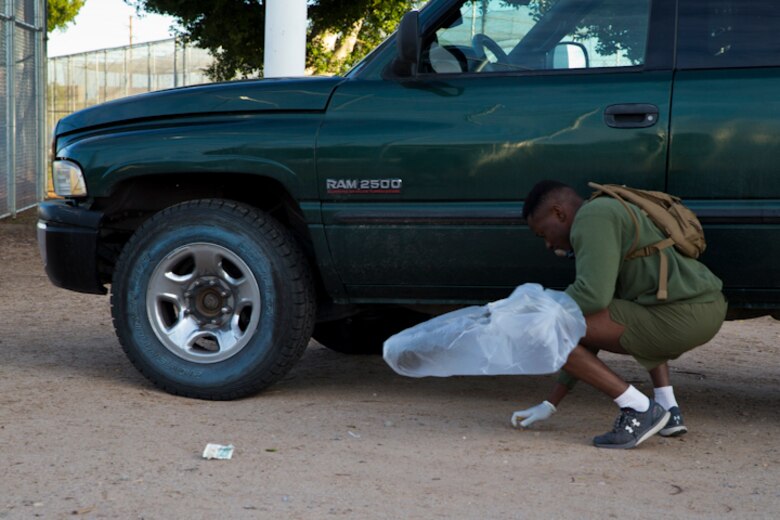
(699, 385)
(97, 356)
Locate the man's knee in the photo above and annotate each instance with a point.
(603, 333)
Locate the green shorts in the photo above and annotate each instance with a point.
(657, 333)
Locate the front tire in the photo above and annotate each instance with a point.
(212, 299)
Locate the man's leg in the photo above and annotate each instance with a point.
(602, 333)
(662, 387)
(660, 375)
(640, 418)
(659, 332)
(586, 366)
(605, 333)
(664, 395)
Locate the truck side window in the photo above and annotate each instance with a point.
(728, 34)
(520, 35)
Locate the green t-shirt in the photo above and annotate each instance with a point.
(602, 234)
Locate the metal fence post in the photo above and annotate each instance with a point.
(10, 114)
(126, 71)
(185, 76)
(105, 75)
(40, 89)
(71, 85)
(175, 62)
(149, 66)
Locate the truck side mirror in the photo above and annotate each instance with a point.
(408, 44)
(569, 55)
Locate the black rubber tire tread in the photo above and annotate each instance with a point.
(297, 273)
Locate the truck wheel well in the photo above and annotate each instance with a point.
(134, 201)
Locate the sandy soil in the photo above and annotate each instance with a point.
(84, 435)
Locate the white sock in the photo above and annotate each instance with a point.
(633, 398)
(664, 396)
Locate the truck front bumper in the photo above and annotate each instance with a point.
(68, 241)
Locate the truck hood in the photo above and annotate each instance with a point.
(266, 95)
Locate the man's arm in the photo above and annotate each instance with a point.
(597, 240)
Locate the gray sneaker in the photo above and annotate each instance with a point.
(675, 425)
(632, 427)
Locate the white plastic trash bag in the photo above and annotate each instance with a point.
(530, 332)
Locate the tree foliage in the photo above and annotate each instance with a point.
(341, 32)
(354, 26)
(617, 26)
(62, 12)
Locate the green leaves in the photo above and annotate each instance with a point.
(62, 12)
(341, 32)
(232, 30)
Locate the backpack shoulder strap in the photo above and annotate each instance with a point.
(602, 189)
(634, 251)
(663, 274)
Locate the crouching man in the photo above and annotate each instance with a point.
(618, 297)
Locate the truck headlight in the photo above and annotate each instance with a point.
(68, 179)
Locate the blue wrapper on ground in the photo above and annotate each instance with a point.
(530, 332)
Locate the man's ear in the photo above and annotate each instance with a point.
(560, 212)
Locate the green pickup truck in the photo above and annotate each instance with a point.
(234, 221)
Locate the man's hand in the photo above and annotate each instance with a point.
(536, 413)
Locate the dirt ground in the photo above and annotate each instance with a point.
(84, 435)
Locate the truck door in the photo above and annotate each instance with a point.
(422, 178)
(726, 138)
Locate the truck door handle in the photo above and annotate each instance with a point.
(631, 115)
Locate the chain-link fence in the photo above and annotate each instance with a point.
(81, 80)
(22, 135)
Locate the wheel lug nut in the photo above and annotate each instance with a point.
(212, 283)
(188, 294)
(223, 294)
(226, 310)
(186, 312)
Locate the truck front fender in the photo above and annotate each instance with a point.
(280, 147)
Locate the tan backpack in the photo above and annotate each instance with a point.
(669, 214)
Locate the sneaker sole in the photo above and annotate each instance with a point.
(633, 444)
(674, 431)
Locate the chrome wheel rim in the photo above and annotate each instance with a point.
(203, 302)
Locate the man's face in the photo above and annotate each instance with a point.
(552, 222)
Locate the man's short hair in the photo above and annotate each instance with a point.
(539, 193)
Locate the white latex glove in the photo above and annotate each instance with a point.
(539, 412)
